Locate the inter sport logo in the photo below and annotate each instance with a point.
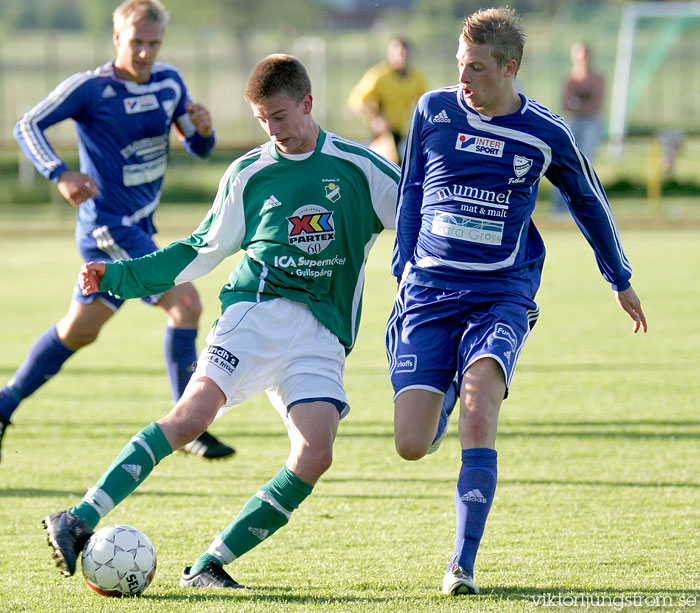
(480, 145)
(311, 228)
(141, 104)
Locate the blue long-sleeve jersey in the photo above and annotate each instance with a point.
(468, 189)
(123, 129)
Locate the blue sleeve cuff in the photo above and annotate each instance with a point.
(199, 145)
(622, 286)
(56, 173)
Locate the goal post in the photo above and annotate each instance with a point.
(678, 17)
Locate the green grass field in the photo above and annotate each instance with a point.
(598, 497)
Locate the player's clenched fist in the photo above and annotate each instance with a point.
(200, 118)
(91, 276)
(76, 187)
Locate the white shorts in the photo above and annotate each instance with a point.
(278, 347)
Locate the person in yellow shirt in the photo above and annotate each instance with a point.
(386, 95)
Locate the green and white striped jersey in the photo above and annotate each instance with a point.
(306, 225)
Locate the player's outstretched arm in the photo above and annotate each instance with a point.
(76, 187)
(630, 303)
(200, 118)
(91, 276)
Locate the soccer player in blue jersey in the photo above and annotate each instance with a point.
(469, 259)
(123, 113)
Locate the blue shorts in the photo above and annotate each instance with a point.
(433, 334)
(106, 244)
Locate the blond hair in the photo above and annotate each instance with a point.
(500, 29)
(133, 11)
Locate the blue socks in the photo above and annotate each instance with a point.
(48, 353)
(43, 361)
(473, 497)
(180, 352)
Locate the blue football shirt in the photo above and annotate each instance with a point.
(123, 140)
(468, 190)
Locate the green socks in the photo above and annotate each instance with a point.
(265, 513)
(127, 472)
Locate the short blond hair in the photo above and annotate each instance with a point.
(500, 29)
(132, 11)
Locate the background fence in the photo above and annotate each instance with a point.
(665, 80)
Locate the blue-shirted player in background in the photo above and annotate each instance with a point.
(470, 259)
(123, 112)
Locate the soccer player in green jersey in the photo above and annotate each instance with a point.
(306, 208)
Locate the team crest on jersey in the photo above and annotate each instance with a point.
(311, 228)
(480, 145)
(521, 165)
(141, 104)
(332, 191)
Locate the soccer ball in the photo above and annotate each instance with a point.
(119, 561)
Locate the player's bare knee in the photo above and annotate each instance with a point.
(191, 306)
(182, 426)
(321, 458)
(411, 448)
(181, 433)
(411, 443)
(75, 338)
(476, 426)
(184, 308)
(313, 461)
(87, 338)
(187, 311)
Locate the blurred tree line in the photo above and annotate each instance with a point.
(95, 16)
(241, 17)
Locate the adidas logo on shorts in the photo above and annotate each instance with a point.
(442, 117)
